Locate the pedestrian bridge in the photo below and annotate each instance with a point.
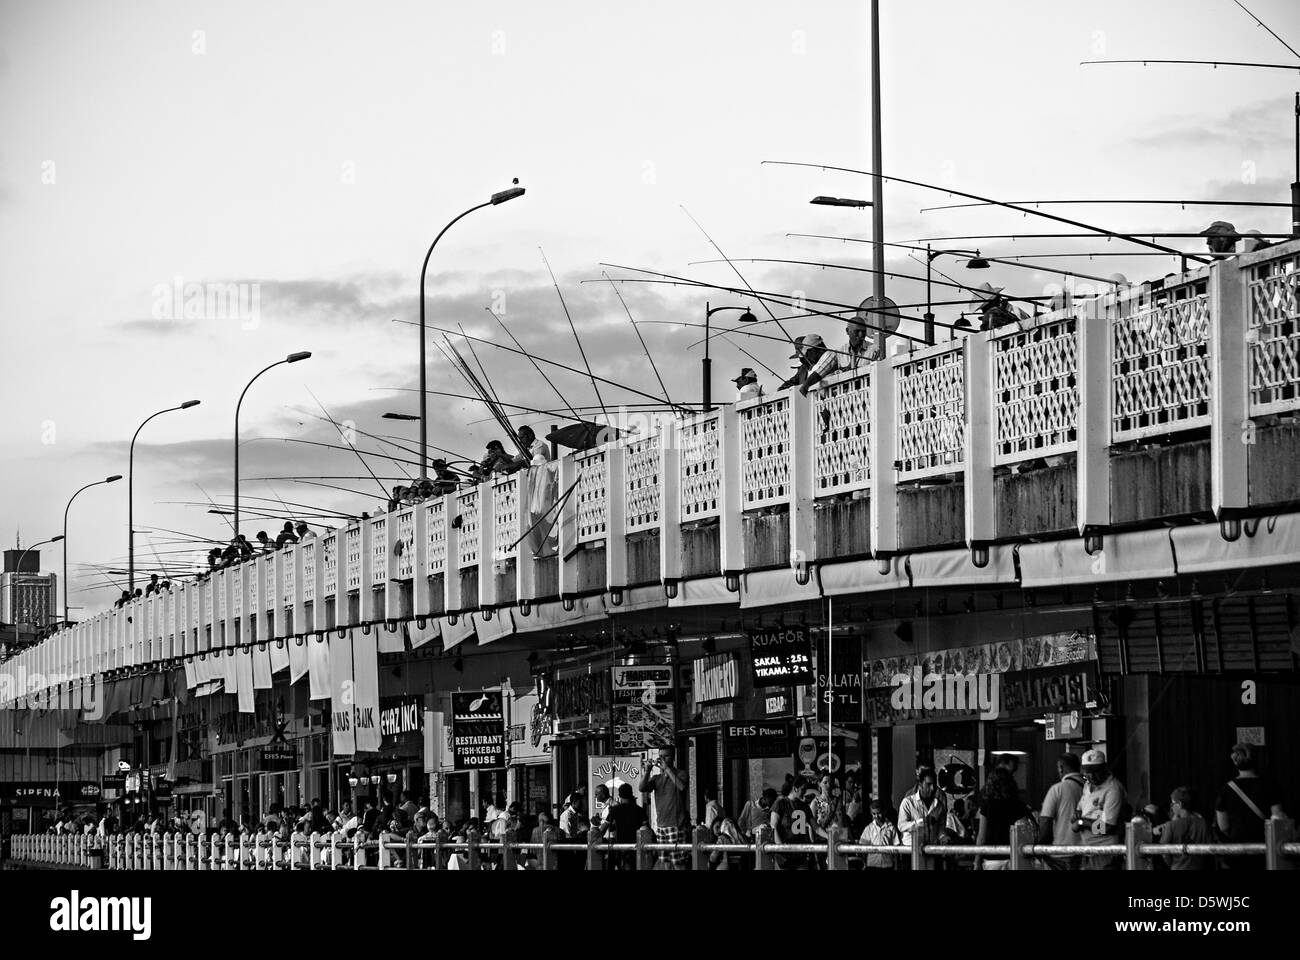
(1148, 433)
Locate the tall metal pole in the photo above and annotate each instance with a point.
(291, 358)
(706, 365)
(1295, 185)
(877, 186)
(929, 311)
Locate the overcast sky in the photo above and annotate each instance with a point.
(310, 152)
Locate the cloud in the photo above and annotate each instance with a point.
(1258, 125)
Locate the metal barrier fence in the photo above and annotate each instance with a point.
(329, 852)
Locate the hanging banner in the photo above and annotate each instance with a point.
(643, 704)
(365, 689)
(839, 689)
(612, 773)
(340, 694)
(318, 667)
(1003, 656)
(244, 669)
(261, 667)
(478, 730)
(279, 655)
(781, 656)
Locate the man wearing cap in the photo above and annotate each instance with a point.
(1056, 819)
(1100, 810)
(1244, 804)
(815, 362)
(1221, 237)
(747, 387)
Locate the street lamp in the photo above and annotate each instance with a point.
(930, 256)
(497, 198)
(399, 416)
(113, 478)
(291, 358)
(18, 568)
(706, 365)
(130, 493)
(838, 202)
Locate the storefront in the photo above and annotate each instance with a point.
(1031, 697)
(581, 698)
(400, 762)
(468, 764)
(529, 744)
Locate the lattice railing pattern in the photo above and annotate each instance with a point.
(405, 544)
(505, 517)
(765, 453)
(237, 579)
(435, 522)
(310, 549)
(592, 496)
(1273, 325)
(467, 542)
(1160, 357)
(931, 428)
(842, 425)
(287, 579)
(352, 557)
(193, 602)
(252, 572)
(211, 588)
(700, 468)
(641, 461)
(1036, 391)
(379, 551)
(329, 557)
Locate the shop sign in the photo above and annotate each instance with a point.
(644, 701)
(715, 678)
(581, 699)
(777, 703)
(1006, 656)
(278, 756)
(400, 719)
(478, 732)
(756, 740)
(114, 781)
(1065, 726)
(781, 657)
(811, 758)
(1024, 694)
(611, 772)
(839, 690)
(40, 793)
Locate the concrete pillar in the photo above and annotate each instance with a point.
(1094, 416)
(451, 570)
(670, 499)
(568, 526)
(884, 490)
(366, 591)
(1230, 428)
(802, 453)
(981, 517)
(731, 533)
(421, 603)
(615, 519)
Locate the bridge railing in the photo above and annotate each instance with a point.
(1280, 851)
(1210, 349)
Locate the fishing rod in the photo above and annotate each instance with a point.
(333, 446)
(576, 417)
(392, 442)
(345, 439)
(553, 363)
(1266, 27)
(578, 339)
(498, 414)
(1179, 203)
(563, 399)
(316, 508)
(737, 272)
(972, 196)
(214, 503)
(479, 363)
(776, 297)
(637, 330)
(1085, 236)
(1215, 63)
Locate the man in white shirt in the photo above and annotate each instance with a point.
(747, 387)
(1101, 805)
(1056, 820)
(539, 451)
(925, 805)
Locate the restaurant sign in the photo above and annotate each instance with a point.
(715, 678)
(581, 699)
(478, 731)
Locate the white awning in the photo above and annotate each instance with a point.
(1202, 549)
(501, 624)
(702, 592)
(767, 587)
(432, 630)
(949, 568)
(1137, 555)
(641, 598)
(454, 633)
(858, 576)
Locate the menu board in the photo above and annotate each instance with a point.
(643, 704)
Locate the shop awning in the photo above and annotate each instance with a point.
(764, 588)
(858, 576)
(641, 598)
(390, 641)
(702, 592)
(950, 568)
(546, 616)
(432, 630)
(1137, 555)
(502, 624)
(1265, 541)
(455, 633)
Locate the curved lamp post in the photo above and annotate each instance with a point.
(291, 358)
(23, 556)
(706, 365)
(497, 198)
(130, 493)
(112, 479)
